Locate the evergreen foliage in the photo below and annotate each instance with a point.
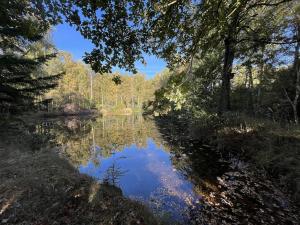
(22, 24)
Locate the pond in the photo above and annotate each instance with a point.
(180, 178)
(145, 173)
(131, 153)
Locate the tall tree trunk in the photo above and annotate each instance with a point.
(91, 88)
(226, 76)
(132, 95)
(102, 97)
(295, 111)
(260, 77)
(297, 73)
(250, 89)
(296, 69)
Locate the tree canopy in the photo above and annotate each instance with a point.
(177, 31)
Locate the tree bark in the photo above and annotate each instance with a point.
(102, 97)
(250, 88)
(296, 69)
(295, 111)
(226, 76)
(260, 77)
(91, 88)
(297, 73)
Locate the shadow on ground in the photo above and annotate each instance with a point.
(224, 168)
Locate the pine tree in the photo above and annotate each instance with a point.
(22, 24)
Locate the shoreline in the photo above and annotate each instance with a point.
(38, 186)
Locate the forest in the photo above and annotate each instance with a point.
(81, 86)
(213, 138)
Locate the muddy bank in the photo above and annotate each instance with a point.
(38, 186)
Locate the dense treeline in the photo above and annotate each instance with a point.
(81, 86)
(262, 88)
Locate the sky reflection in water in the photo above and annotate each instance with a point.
(147, 174)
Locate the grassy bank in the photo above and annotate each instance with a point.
(269, 145)
(38, 186)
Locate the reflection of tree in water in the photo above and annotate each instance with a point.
(193, 158)
(115, 133)
(118, 132)
(72, 134)
(113, 174)
(88, 139)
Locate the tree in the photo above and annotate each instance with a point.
(184, 28)
(296, 71)
(22, 24)
(174, 30)
(75, 87)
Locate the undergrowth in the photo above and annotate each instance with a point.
(268, 144)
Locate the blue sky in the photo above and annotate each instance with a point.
(66, 38)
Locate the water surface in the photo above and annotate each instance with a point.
(131, 153)
(163, 165)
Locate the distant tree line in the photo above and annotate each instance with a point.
(81, 86)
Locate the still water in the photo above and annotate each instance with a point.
(161, 164)
(131, 153)
(145, 173)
